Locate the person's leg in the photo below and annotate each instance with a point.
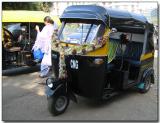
(44, 70)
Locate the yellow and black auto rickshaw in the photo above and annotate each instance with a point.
(19, 35)
(99, 53)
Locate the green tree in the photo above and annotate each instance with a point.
(35, 6)
(46, 6)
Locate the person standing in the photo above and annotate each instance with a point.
(43, 42)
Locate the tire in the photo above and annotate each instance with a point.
(58, 104)
(147, 84)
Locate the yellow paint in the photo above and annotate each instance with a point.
(147, 65)
(69, 45)
(99, 52)
(27, 16)
(146, 56)
(103, 51)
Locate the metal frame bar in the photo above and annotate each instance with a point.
(145, 39)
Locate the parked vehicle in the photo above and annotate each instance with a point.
(99, 53)
(19, 35)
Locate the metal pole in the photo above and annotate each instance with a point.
(145, 39)
(29, 37)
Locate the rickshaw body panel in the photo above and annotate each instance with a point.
(119, 78)
(147, 61)
(103, 51)
(88, 79)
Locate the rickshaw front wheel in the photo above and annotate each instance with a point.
(58, 104)
(147, 84)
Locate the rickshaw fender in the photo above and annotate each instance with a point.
(58, 90)
(148, 72)
(50, 92)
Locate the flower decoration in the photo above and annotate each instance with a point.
(77, 49)
(93, 47)
(57, 44)
(74, 52)
(83, 51)
(66, 45)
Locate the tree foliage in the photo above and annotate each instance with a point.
(46, 6)
(35, 6)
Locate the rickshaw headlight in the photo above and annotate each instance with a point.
(49, 82)
(98, 61)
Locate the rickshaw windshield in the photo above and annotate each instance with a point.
(79, 33)
(13, 26)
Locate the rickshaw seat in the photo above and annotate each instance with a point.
(133, 52)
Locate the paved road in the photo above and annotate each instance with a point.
(24, 99)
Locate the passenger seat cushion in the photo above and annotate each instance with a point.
(133, 50)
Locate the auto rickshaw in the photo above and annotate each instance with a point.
(19, 35)
(99, 52)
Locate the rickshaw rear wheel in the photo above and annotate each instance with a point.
(58, 104)
(147, 84)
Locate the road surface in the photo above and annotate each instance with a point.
(24, 99)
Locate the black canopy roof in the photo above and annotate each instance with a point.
(90, 12)
(110, 17)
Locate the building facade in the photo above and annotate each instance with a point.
(144, 8)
